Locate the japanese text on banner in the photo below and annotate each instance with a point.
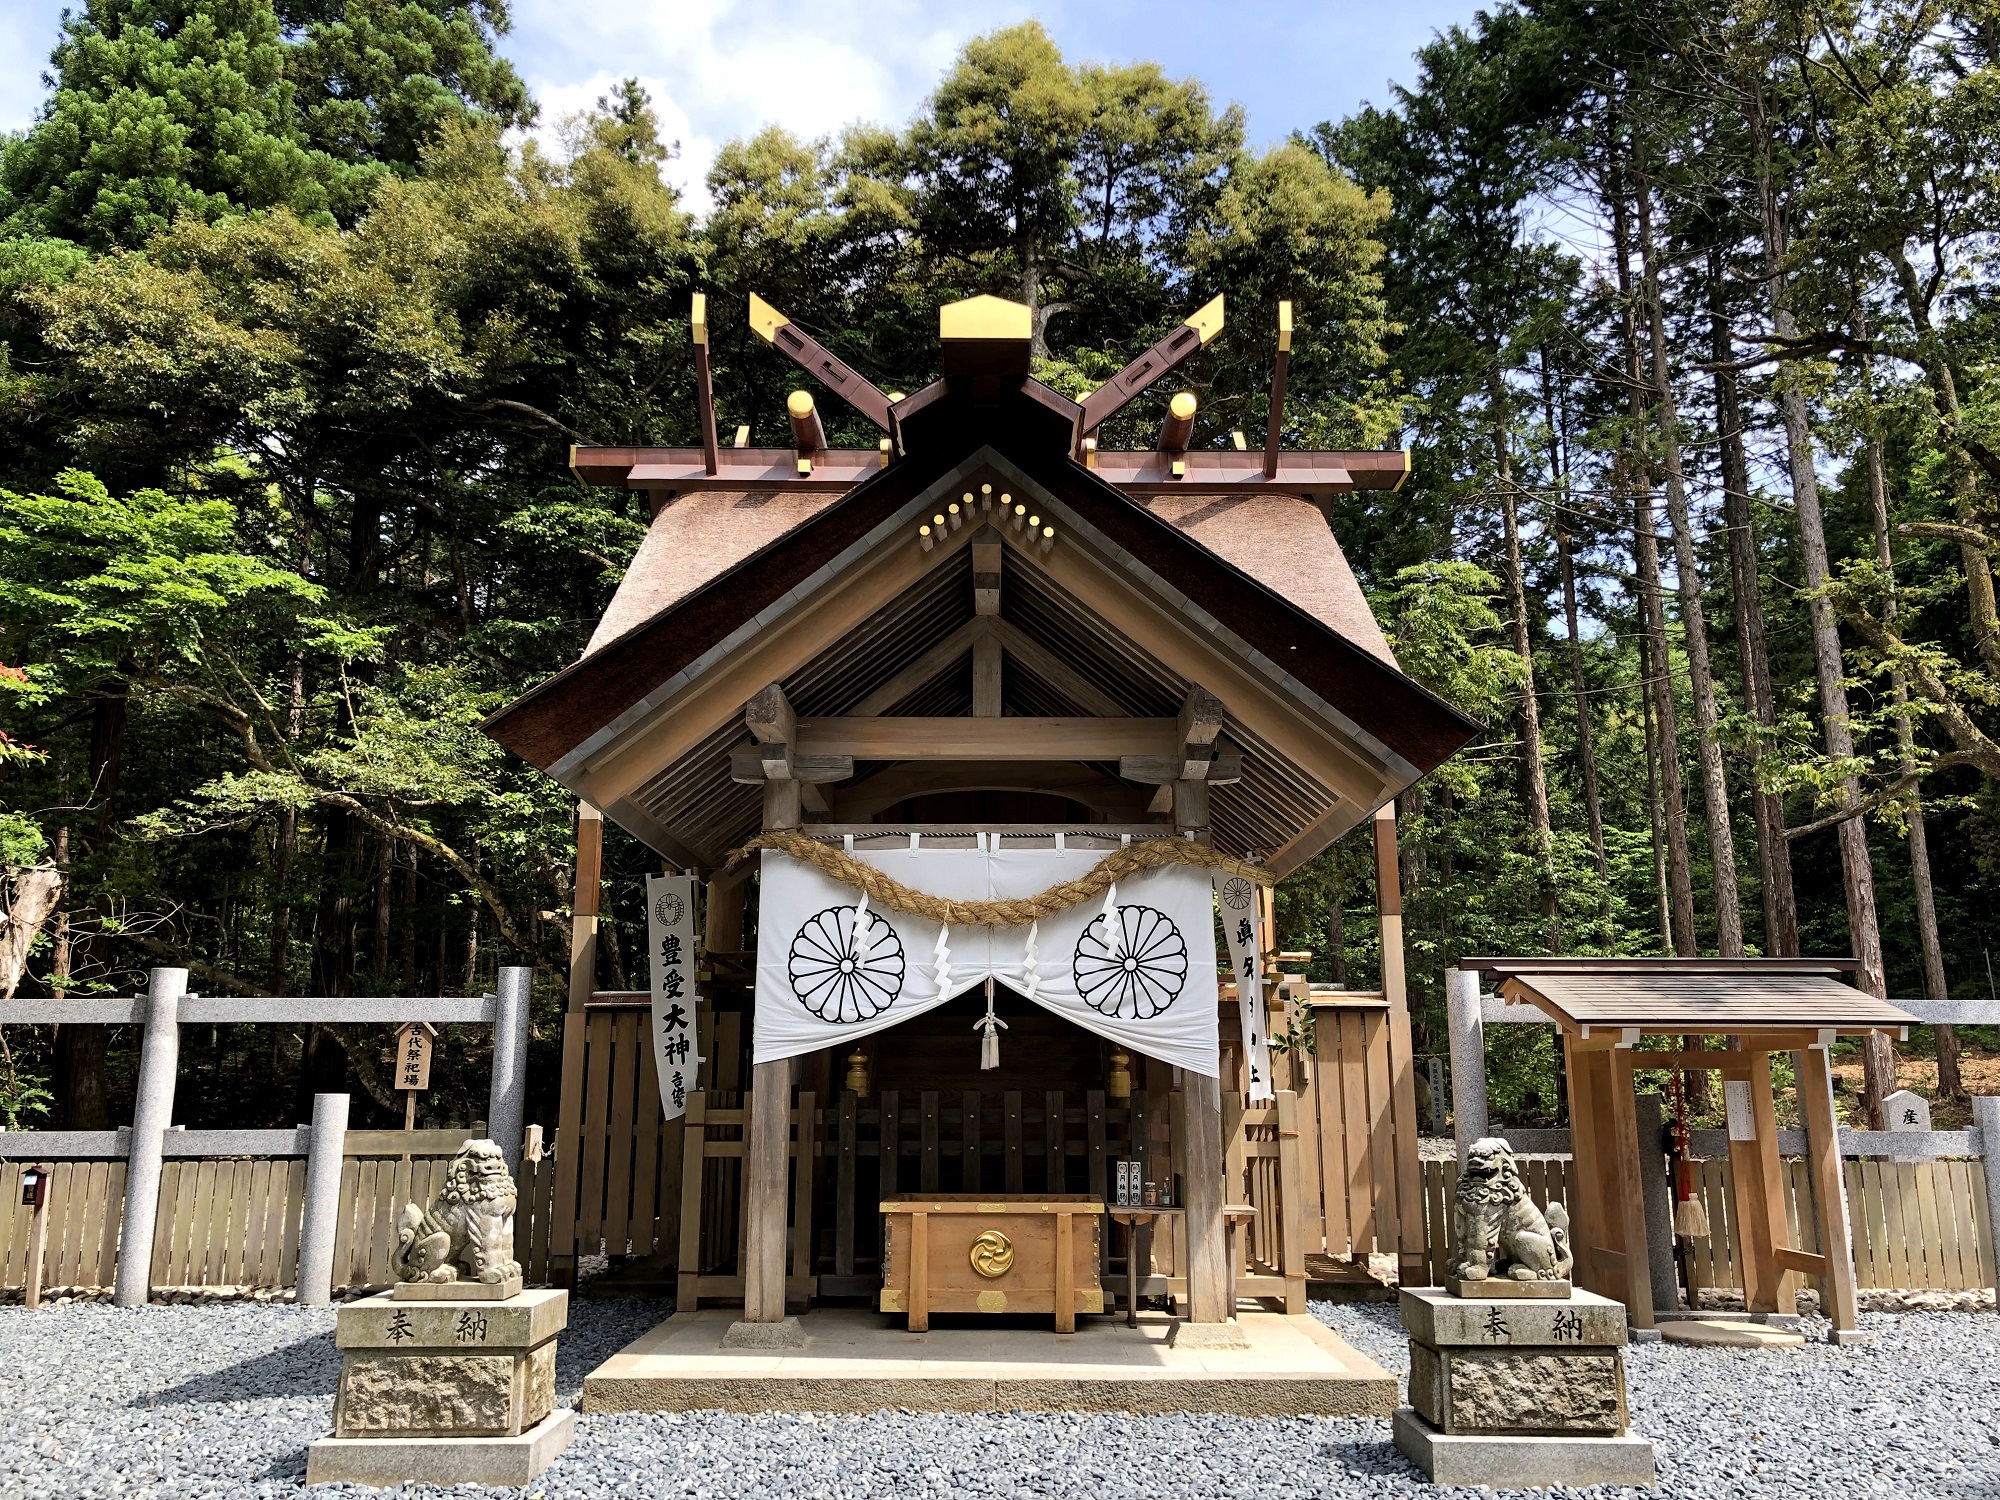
(670, 936)
(1236, 900)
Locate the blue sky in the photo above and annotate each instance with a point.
(720, 68)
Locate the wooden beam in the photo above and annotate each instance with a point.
(1101, 794)
(1310, 840)
(1179, 425)
(771, 721)
(1201, 717)
(704, 384)
(749, 767)
(986, 677)
(1154, 769)
(986, 572)
(1128, 384)
(808, 432)
(920, 672)
(1274, 424)
(1163, 799)
(1053, 670)
(985, 739)
(1255, 702)
(775, 329)
(716, 697)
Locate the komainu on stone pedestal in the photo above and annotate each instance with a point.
(1497, 1232)
(469, 1223)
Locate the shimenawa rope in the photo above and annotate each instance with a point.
(1119, 864)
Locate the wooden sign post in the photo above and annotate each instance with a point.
(413, 1066)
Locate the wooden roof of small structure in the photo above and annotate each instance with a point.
(1728, 997)
(1153, 574)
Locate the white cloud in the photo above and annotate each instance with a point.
(721, 69)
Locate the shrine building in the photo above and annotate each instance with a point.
(1012, 719)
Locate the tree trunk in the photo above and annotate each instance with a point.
(385, 883)
(1774, 850)
(1694, 618)
(1858, 874)
(82, 1100)
(1652, 607)
(1534, 778)
(1653, 784)
(1586, 750)
(1949, 1083)
(279, 982)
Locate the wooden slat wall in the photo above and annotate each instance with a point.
(1348, 1107)
(1917, 1225)
(623, 1189)
(234, 1222)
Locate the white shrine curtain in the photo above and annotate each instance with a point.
(1137, 967)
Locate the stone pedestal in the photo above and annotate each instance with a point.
(445, 1391)
(1532, 1388)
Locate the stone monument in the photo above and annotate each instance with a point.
(1516, 1378)
(449, 1379)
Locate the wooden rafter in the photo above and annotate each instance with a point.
(1186, 340)
(775, 329)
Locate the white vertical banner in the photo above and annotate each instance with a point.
(670, 940)
(1236, 899)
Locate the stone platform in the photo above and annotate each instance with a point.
(1510, 1463)
(862, 1361)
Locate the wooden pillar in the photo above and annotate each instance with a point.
(1202, 1150)
(582, 980)
(1402, 1064)
(588, 889)
(768, 1148)
(1749, 1193)
(1631, 1204)
(1783, 1284)
(1208, 1248)
(1829, 1191)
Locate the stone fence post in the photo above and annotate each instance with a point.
(1468, 1058)
(152, 1113)
(322, 1205)
(506, 1105)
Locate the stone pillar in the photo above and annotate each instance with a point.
(152, 1113)
(1468, 1058)
(507, 1100)
(1986, 1115)
(1659, 1202)
(321, 1221)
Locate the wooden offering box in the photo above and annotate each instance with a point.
(975, 1252)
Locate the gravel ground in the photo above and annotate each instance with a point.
(222, 1401)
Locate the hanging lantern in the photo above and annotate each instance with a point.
(1118, 1082)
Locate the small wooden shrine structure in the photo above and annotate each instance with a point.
(1604, 1008)
(981, 629)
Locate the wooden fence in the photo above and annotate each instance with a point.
(235, 1222)
(1916, 1225)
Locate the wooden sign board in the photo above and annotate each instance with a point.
(413, 1056)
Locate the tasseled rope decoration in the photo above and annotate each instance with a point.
(990, 1026)
(1690, 1213)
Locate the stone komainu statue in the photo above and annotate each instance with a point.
(1496, 1228)
(469, 1223)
